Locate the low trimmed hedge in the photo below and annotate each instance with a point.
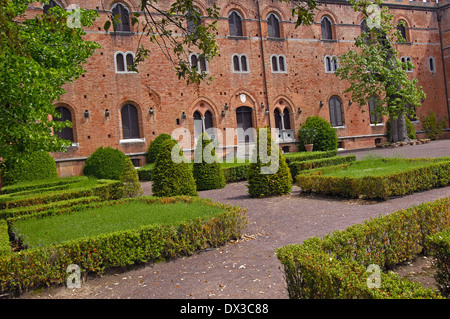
(26, 210)
(106, 189)
(307, 156)
(296, 167)
(335, 266)
(439, 246)
(232, 174)
(41, 184)
(435, 174)
(29, 269)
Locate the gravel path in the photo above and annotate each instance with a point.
(248, 268)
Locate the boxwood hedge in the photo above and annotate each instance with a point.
(335, 266)
(29, 269)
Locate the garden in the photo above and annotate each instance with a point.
(102, 220)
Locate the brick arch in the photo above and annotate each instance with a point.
(397, 19)
(127, 4)
(273, 9)
(282, 102)
(208, 105)
(326, 13)
(234, 6)
(236, 102)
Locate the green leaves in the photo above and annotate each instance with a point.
(37, 56)
(374, 69)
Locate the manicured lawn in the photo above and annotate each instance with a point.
(36, 232)
(375, 167)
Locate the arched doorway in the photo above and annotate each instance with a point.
(244, 123)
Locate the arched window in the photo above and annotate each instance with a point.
(124, 62)
(365, 32)
(199, 62)
(375, 117)
(193, 21)
(336, 111)
(240, 63)
(50, 5)
(203, 124)
(327, 33)
(331, 64)
(286, 119)
(121, 17)
(273, 25)
(278, 63)
(401, 27)
(277, 117)
(67, 132)
(235, 24)
(130, 122)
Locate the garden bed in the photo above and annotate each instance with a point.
(336, 265)
(112, 234)
(377, 178)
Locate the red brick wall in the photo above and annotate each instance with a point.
(303, 86)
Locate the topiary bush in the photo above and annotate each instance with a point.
(325, 137)
(170, 178)
(36, 166)
(207, 170)
(268, 175)
(105, 163)
(131, 186)
(155, 147)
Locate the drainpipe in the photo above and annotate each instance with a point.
(439, 18)
(263, 60)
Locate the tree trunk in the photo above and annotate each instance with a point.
(398, 129)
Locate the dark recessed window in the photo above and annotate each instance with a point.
(50, 5)
(375, 117)
(121, 17)
(401, 27)
(130, 122)
(235, 24)
(67, 132)
(273, 24)
(240, 63)
(336, 111)
(327, 33)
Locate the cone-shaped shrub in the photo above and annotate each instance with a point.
(268, 174)
(207, 170)
(155, 147)
(172, 174)
(131, 186)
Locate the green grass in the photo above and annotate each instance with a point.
(36, 232)
(375, 166)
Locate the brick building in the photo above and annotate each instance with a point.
(268, 73)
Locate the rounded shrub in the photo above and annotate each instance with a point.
(155, 147)
(325, 137)
(105, 163)
(36, 166)
(172, 175)
(268, 173)
(207, 170)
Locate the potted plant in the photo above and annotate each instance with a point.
(307, 134)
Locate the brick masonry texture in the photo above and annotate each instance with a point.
(304, 85)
